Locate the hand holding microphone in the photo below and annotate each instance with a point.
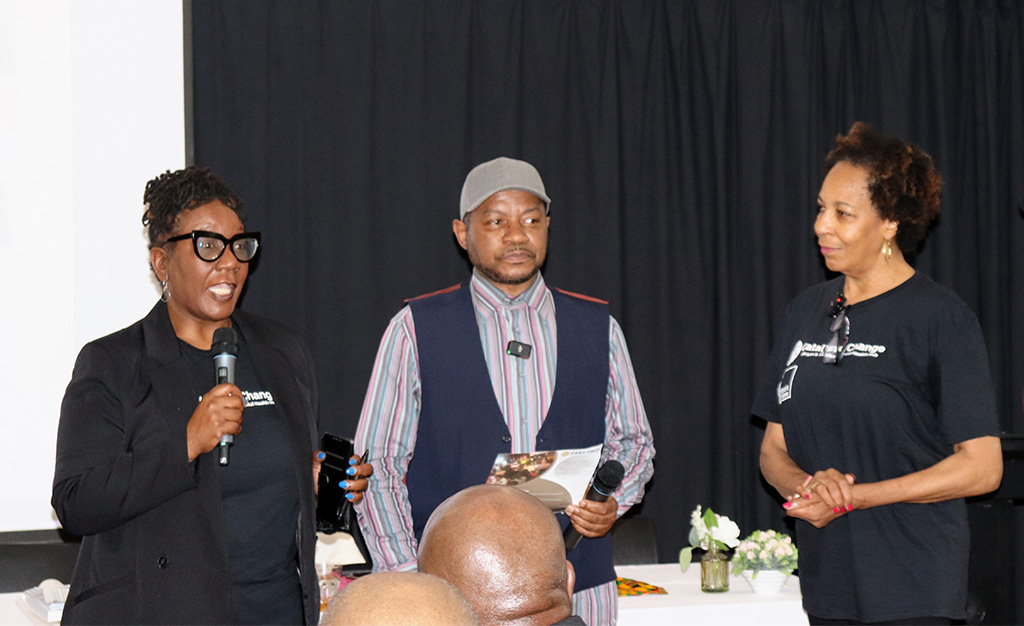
(595, 515)
(219, 412)
(225, 353)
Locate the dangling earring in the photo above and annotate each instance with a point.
(165, 295)
(887, 250)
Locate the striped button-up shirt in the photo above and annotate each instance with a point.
(523, 387)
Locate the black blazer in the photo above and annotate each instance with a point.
(153, 548)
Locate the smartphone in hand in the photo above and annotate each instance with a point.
(331, 503)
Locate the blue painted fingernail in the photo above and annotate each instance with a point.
(343, 484)
(351, 471)
(320, 456)
(351, 461)
(349, 496)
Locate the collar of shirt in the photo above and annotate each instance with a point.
(486, 295)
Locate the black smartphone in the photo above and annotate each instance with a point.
(331, 504)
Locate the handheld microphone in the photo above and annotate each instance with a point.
(606, 481)
(225, 352)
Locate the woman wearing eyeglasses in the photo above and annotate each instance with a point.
(171, 534)
(880, 409)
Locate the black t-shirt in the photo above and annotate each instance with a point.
(913, 381)
(260, 496)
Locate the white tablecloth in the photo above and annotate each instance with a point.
(12, 615)
(685, 603)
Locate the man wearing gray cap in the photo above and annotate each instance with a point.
(465, 373)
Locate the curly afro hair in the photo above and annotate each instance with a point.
(902, 180)
(170, 194)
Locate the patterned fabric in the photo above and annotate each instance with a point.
(630, 587)
(597, 606)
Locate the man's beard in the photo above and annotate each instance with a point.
(496, 276)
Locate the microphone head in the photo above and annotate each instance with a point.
(225, 341)
(609, 477)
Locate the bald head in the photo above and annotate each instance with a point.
(503, 549)
(399, 599)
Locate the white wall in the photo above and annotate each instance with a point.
(91, 107)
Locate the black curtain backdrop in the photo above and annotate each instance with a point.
(682, 144)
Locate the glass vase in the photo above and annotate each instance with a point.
(714, 571)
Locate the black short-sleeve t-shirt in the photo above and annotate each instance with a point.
(913, 381)
(260, 498)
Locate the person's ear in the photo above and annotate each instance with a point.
(570, 577)
(158, 261)
(459, 228)
(891, 228)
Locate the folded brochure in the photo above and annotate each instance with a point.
(557, 478)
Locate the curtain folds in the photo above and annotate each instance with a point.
(682, 143)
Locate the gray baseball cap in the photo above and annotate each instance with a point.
(487, 179)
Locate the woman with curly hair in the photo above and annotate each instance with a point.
(880, 409)
(173, 532)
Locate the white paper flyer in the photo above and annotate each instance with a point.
(557, 478)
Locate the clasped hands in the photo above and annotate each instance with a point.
(823, 497)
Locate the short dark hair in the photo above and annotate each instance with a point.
(170, 194)
(902, 181)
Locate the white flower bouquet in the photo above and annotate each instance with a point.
(709, 530)
(765, 550)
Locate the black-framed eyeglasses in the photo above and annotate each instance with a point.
(209, 246)
(835, 350)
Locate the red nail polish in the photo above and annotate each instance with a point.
(787, 505)
(849, 507)
(835, 510)
(807, 495)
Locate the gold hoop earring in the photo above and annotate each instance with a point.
(887, 250)
(165, 295)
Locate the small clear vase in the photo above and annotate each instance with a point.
(714, 571)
